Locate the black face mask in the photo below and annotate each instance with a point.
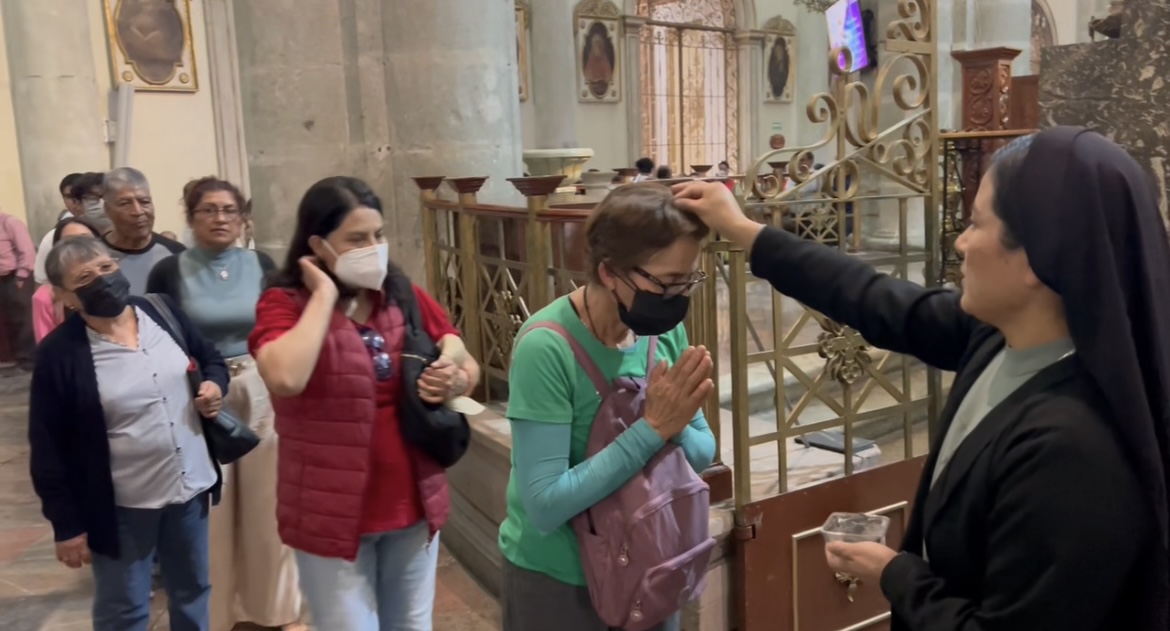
(105, 296)
(653, 314)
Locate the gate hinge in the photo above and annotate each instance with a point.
(745, 533)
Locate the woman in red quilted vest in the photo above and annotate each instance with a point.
(360, 506)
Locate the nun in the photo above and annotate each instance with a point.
(1043, 502)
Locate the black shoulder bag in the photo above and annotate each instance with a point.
(442, 433)
(229, 438)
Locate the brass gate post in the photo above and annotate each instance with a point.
(469, 264)
(537, 236)
(428, 192)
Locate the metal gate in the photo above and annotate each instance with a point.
(690, 84)
(849, 430)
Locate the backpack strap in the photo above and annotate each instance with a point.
(651, 350)
(579, 353)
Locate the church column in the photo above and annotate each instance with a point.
(55, 100)
(751, 78)
(554, 93)
(632, 73)
(379, 89)
(1006, 23)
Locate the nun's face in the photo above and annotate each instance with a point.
(997, 282)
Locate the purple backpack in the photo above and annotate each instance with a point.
(645, 548)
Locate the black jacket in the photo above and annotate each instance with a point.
(1039, 520)
(69, 449)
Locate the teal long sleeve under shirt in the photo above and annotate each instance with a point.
(553, 492)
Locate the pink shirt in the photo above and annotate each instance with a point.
(17, 253)
(46, 315)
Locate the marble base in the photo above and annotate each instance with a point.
(1118, 88)
(566, 162)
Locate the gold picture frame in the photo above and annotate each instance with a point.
(151, 45)
(522, 48)
(780, 50)
(599, 51)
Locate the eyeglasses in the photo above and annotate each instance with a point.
(229, 212)
(670, 290)
(376, 345)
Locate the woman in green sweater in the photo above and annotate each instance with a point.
(642, 255)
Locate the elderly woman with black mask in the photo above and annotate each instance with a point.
(1043, 503)
(118, 454)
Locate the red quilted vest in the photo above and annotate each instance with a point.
(326, 434)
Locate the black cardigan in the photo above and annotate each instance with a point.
(69, 449)
(1039, 521)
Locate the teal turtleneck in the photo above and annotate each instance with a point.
(219, 291)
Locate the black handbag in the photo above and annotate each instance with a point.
(440, 432)
(228, 438)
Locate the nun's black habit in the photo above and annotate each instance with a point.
(1052, 513)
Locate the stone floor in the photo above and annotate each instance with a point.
(39, 594)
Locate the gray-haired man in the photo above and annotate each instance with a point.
(131, 211)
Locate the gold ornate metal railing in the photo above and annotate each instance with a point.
(493, 266)
(877, 198)
(966, 156)
(788, 375)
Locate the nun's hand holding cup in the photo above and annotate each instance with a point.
(864, 560)
(674, 394)
(712, 202)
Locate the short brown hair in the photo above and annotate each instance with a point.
(632, 224)
(194, 191)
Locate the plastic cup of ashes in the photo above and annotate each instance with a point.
(855, 528)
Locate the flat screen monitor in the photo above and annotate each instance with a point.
(846, 30)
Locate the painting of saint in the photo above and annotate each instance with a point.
(598, 60)
(780, 71)
(151, 43)
(153, 37)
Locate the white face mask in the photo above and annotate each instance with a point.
(364, 268)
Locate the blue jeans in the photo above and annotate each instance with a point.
(177, 534)
(391, 586)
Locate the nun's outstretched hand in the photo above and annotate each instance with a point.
(717, 207)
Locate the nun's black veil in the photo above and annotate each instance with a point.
(1087, 217)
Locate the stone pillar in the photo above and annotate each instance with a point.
(554, 93)
(554, 89)
(379, 89)
(632, 75)
(50, 62)
(751, 78)
(1006, 23)
(1118, 88)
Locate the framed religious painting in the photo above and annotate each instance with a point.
(150, 44)
(598, 44)
(522, 48)
(779, 61)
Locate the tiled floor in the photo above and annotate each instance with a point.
(39, 594)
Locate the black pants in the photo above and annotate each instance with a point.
(535, 602)
(16, 335)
